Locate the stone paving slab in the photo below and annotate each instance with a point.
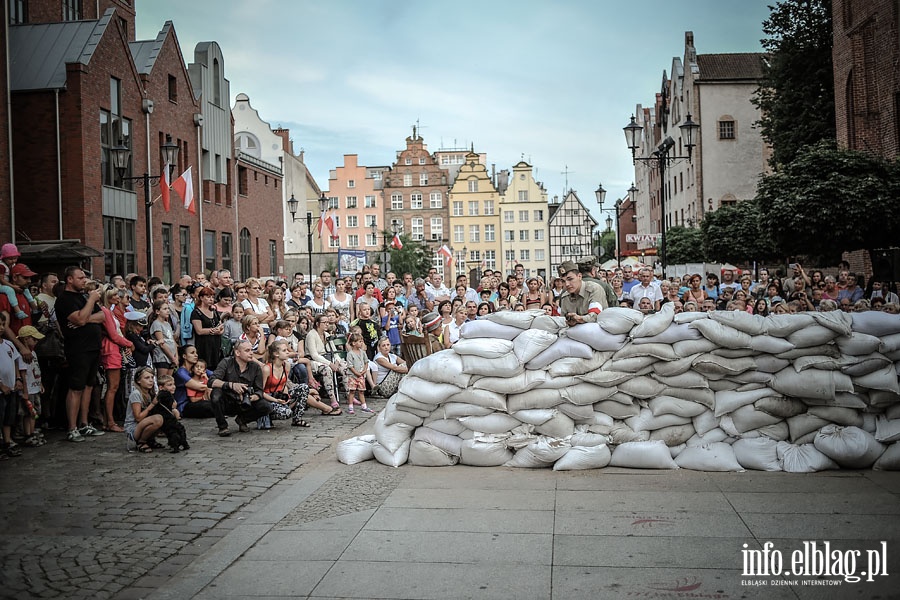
(452, 547)
(651, 523)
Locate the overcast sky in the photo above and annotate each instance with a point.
(550, 82)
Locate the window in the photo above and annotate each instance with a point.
(509, 235)
(374, 174)
(523, 216)
(72, 10)
(114, 130)
(726, 130)
(538, 216)
(407, 179)
(523, 195)
(457, 208)
(524, 255)
(421, 160)
(415, 200)
(245, 254)
(423, 178)
(166, 252)
(18, 12)
(370, 201)
(184, 249)
(351, 183)
(397, 225)
(217, 83)
(337, 222)
(273, 258)
(510, 255)
(437, 228)
(119, 245)
(351, 201)
(473, 185)
(209, 250)
(418, 228)
(523, 235)
(334, 242)
(352, 221)
(473, 208)
(488, 207)
(353, 241)
(459, 234)
(436, 200)
(227, 251)
(334, 202)
(371, 220)
(490, 259)
(396, 201)
(489, 233)
(408, 161)
(173, 89)
(539, 235)
(475, 256)
(508, 216)
(539, 254)
(474, 233)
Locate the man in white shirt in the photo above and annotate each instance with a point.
(471, 295)
(646, 289)
(441, 292)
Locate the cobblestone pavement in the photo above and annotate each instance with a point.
(92, 520)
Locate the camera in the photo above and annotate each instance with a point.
(245, 397)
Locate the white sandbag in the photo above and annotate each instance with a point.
(578, 366)
(823, 363)
(716, 456)
(881, 398)
(850, 447)
(838, 321)
(394, 415)
(892, 412)
(658, 351)
(676, 450)
(635, 365)
(642, 455)
(857, 366)
(480, 397)
(448, 426)
(455, 410)
(356, 449)
(857, 344)
(814, 335)
(750, 387)
(803, 424)
(549, 323)
(655, 323)
(824, 350)
(727, 402)
(558, 383)
(770, 364)
(735, 352)
(837, 414)
(484, 347)
(522, 382)
(584, 457)
(606, 378)
(883, 379)
(485, 328)
(869, 422)
(674, 435)
(722, 335)
(812, 383)
(503, 366)
(588, 439)
(441, 367)
(539, 398)
(646, 421)
(688, 379)
(669, 405)
(596, 337)
(704, 422)
(780, 406)
(784, 325)
(391, 436)
(493, 423)
(617, 410)
(689, 317)
(541, 453)
(686, 348)
(711, 365)
(702, 396)
(451, 444)
(857, 400)
(532, 342)
(770, 344)
(392, 459)
(619, 320)
(621, 434)
(889, 460)
(759, 454)
(753, 379)
(713, 435)
(598, 421)
(887, 431)
(642, 387)
(727, 425)
(514, 318)
(424, 454)
(409, 404)
(804, 458)
(585, 393)
(675, 367)
(724, 385)
(672, 334)
(583, 413)
(480, 453)
(562, 348)
(890, 344)
(558, 426)
(427, 392)
(742, 321)
(747, 418)
(535, 416)
(873, 322)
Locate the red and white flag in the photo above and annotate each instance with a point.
(327, 223)
(396, 243)
(184, 187)
(446, 253)
(164, 186)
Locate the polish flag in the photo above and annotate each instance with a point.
(164, 186)
(184, 187)
(326, 223)
(396, 243)
(446, 253)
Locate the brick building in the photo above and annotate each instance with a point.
(356, 195)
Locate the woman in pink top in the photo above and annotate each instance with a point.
(111, 354)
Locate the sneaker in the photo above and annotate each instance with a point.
(350, 411)
(74, 436)
(242, 427)
(32, 441)
(366, 409)
(224, 432)
(89, 430)
(12, 451)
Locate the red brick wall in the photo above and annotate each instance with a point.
(260, 211)
(5, 190)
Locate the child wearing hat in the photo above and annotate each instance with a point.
(30, 405)
(9, 256)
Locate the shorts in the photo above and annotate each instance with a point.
(164, 365)
(83, 367)
(8, 407)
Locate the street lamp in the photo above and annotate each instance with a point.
(120, 156)
(293, 205)
(662, 158)
(600, 193)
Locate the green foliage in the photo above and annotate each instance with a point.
(684, 245)
(413, 258)
(735, 234)
(828, 200)
(796, 94)
(607, 242)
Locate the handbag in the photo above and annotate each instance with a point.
(52, 345)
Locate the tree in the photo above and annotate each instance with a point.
(829, 200)
(796, 94)
(684, 245)
(606, 242)
(734, 234)
(413, 257)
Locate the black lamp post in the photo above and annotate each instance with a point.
(293, 204)
(600, 193)
(661, 157)
(120, 156)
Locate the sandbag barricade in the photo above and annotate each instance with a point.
(720, 391)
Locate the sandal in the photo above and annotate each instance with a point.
(144, 448)
(154, 444)
(299, 423)
(334, 412)
(114, 428)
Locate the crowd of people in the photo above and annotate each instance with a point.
(85, 355)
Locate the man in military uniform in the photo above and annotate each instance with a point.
(588, 267)
(583, 300)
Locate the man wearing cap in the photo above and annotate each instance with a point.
(433, 325)
(583, 300)
(588, 267)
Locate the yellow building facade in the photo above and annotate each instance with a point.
(474, 220)
(524, 219)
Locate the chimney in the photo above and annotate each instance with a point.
(285, 135)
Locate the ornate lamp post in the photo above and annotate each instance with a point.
(293, 205)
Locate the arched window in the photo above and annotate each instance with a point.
(247, 143)
(217, 86)
(246, 257)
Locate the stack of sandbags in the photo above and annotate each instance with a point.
(714, 391)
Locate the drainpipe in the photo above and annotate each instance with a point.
(59, 200)
(149, 209)
(198, 123)
(12, 187)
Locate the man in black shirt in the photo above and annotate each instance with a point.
(138, 285)
(80, 320)
(237, 386)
